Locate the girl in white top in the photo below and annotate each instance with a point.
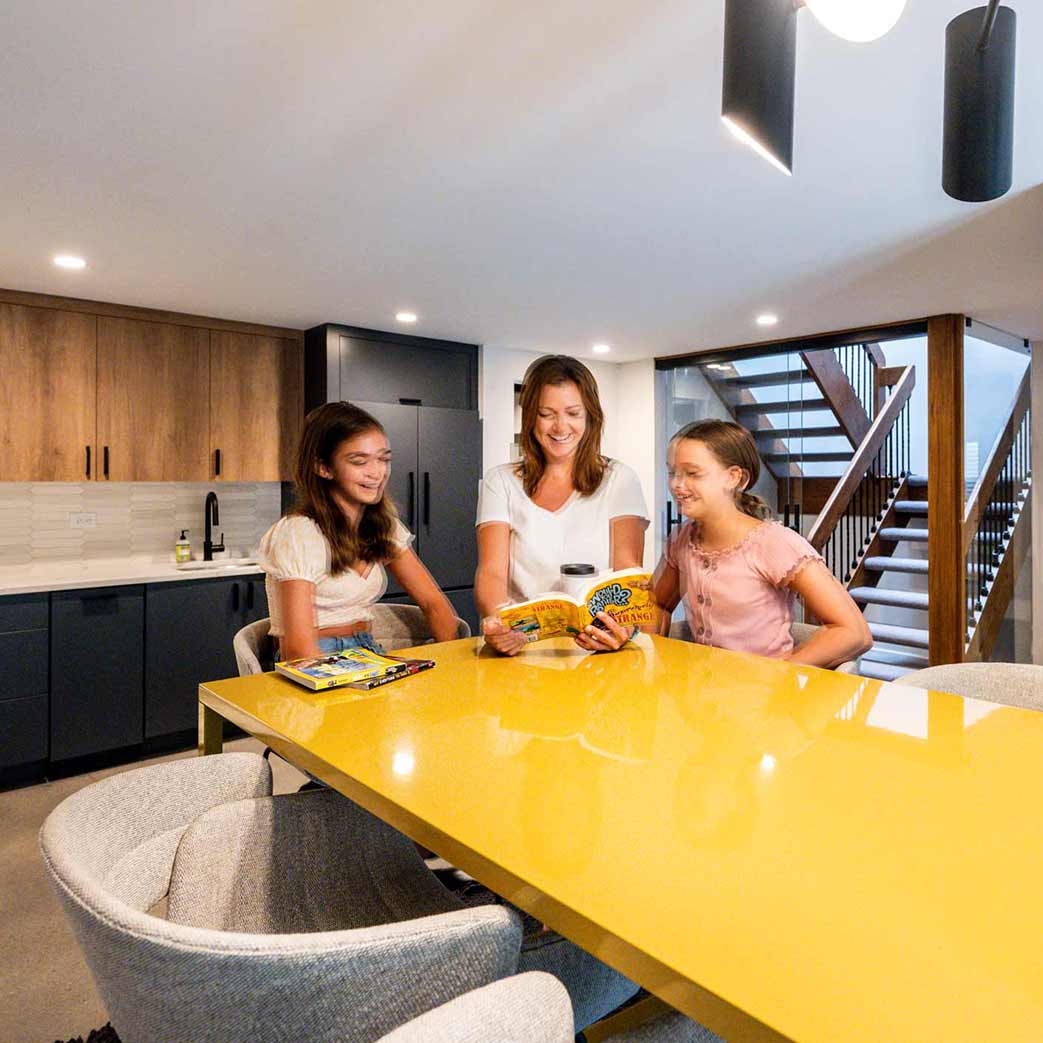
(325, 561)
(563, 502)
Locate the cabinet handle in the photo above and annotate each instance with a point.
(796, 517)
(412, 500)
(249, 596)
(670, 523)
(235, 597)
(785, 516)
(88, 461)
(105, 461)
(217, 463)
(427, 497)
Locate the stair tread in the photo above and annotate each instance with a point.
(799, 432)
(886, 564)
(905, 658)
(762, 380)
(811, 458)
(894, 598)
(898, 534)
(897, 635)
(882, 671)
(911, 506)
(917, 479)
(794, 406)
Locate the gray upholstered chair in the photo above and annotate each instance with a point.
(394, 627)
(403, 626)
(1013, 684)
(111, 849)
(800, 632)
(533, 1008)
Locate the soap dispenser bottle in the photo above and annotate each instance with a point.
(183, 549)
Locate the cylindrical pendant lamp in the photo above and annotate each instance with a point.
(760, 60)
(978, 157)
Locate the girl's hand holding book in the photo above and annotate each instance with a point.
(610, 636)
(500, 636)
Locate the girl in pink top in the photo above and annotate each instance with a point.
(736, 569)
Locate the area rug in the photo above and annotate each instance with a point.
(106, 1034)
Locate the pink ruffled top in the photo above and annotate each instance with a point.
(740, 597)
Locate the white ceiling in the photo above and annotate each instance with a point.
(535, 176)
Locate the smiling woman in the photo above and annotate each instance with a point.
(562, 503)
(325, 562)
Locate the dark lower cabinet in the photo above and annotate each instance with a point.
(463, 602)
(189, 629)
(97, 670)
(23, 687)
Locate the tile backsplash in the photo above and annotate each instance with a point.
(131, 519)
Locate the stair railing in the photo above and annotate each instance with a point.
(995, 524)
(861, 498)
(860, 363)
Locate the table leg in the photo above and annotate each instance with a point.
(211, 731)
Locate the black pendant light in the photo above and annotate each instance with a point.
(760, 60)
(978, 158)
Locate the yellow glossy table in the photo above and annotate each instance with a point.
(779, 851)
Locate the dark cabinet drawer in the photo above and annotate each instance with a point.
(97, 670)
(23, 612)
(23, 655)
(23, 731)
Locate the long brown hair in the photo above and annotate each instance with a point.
(589, 464)
(325, 428)
(733, 446)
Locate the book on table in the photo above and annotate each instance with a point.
(358, 668)
(626, 595)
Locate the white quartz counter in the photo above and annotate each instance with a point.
(114, 572)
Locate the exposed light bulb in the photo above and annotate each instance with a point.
(857, 20)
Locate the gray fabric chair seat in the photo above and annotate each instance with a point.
(110, 850)
(529, 1008)
(316, 861)
(1013, 684)
(800, 632)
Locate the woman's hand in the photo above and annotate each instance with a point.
(500, 636)
(594, 639)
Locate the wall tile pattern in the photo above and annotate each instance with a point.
(132, 519)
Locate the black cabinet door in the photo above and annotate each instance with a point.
(97, 670)
(400, 425)
(464, 606)
(389, 371)
(450, 470)
(189, 629)
(255, 599)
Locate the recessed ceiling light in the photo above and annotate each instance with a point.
(767, 320)
(601, 349)
(69, 261)
(405, 316)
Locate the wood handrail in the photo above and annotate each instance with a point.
(986, 482)
(862, 460)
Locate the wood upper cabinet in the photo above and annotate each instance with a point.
(256, 406)
(153, 401)
(47, 394)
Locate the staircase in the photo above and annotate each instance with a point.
(850, 452)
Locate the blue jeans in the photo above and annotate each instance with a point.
(363, 639)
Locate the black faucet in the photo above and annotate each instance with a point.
(210, 517)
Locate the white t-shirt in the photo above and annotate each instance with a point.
(578, 531)
(295, 548)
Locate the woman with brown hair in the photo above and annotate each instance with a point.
(563, 502)
(325, 561)
(736, 568)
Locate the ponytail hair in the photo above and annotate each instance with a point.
(732, 446)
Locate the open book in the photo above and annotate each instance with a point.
(625, 595)
(350, 668)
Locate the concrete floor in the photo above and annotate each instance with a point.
(46, 992)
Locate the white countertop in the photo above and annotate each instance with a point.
(114, 572)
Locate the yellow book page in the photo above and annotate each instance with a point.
(547, 617)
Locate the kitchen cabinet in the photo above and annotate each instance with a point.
(96, 670)
(256, 406)
(23, 686)
(189, 629)
(47, 395)
(153, 401)
(435, 471)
